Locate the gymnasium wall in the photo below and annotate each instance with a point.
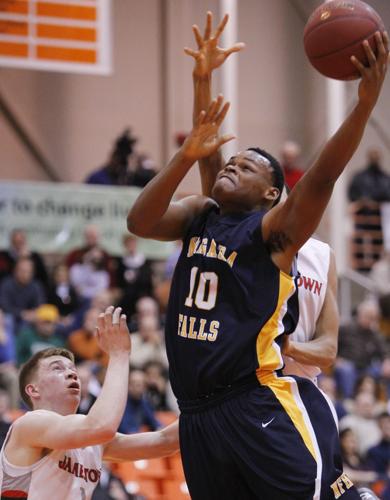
(75, 118)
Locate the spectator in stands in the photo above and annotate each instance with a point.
(18, 247)
(8, 371)
(62, 293)
(361, 348)
(139, 412)
(83, 342)
(367, 190)
(378, 456)
(368, 384)
(21, 294)
(44, 332)
(144, 307)
(111, 487)
(90, 277)
(5, 421)
(147, 344)
(362, 421)
(354, 465)
(115, 171)
(290, 154)
(156, 379)
(92, 240)
(371, 183)
(327, 384)
(134, 275)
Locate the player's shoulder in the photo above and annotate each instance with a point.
(28, 419)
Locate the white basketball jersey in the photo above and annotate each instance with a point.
(313, 266)
(60, 475)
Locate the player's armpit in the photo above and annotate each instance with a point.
(47, 429)
(143, 445)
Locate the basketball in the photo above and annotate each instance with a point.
(335, 32)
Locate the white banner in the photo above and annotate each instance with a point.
(54, 216)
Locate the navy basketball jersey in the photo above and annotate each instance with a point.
(227, 306)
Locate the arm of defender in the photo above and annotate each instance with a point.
(47, 429)
(207, 58)
(295, 220)
(143, 445)
(322, 350)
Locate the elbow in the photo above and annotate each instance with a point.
(329, 356)
(134, 225)
(106, 433)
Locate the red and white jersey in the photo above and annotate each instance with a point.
(60, 475)
(313, 266)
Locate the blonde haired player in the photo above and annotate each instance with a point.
(52, 453)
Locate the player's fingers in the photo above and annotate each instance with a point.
(201, 117)
(209, 22)
(108, 316)
(235, 48)
(217, 107)
(198, 36)
(369, 53)
(211, 111)
(100, 321)
(123, 322)
(221, 26)
(380, 45)
(116, 315)
(98, 334)
(222, 113)
(191, 52)
(361, 68)
(385, 39)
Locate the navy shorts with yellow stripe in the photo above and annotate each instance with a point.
(268, 441)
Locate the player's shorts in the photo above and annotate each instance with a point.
(277, 440)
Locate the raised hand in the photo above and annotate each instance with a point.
(209, 55)
(112, 332)
(204, 140)
(374, 74)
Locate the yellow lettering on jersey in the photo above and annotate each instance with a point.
(183, 331)
(193, 245)
(179, 324)
(232, 257)
(214, 326)
(202, 335)
(338, 486)
(202, 248)
(191, 332)
(212, 250)
(347, 482)
(221, 253)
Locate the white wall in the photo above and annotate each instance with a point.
(75, 118)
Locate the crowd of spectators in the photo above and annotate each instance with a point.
(58, 305)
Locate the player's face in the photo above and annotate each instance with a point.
(245, 183)
(58, 384)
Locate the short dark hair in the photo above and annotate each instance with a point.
(30, 367)
(277, 171)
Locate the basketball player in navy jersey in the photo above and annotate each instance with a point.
(246, 430)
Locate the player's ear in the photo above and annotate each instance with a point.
(32, 391)
(272, 193)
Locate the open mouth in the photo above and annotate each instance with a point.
(227, 177)
(74, 385)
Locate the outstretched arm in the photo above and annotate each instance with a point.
(154, 215)
(292, 223)
(322, 350)
(208, 57)
(50, 430)
(143, 445)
